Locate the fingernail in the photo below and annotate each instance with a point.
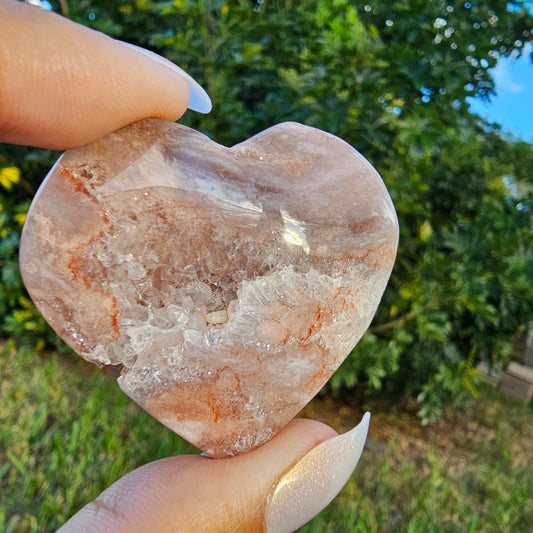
(199, 99)
(312, 483)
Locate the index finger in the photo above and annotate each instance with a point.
(63, 85)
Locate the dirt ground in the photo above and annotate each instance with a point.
(457, 438)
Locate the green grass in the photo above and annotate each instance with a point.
(476, 475)
(67, 432)
(380, 498)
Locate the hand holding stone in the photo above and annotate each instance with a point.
(277, 487)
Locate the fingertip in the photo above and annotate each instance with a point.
(314, 480)
(64, 85)
(195, 493)
(198, 98)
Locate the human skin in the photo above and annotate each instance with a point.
(61, 86)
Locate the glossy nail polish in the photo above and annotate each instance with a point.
(199, 99)
(312, 483)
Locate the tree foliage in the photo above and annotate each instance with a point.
(391, 78)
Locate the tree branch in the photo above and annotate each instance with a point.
(399, 321)
(65, 11)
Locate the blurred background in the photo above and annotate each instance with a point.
(438, 95)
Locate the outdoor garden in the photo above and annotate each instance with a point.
(446, 450)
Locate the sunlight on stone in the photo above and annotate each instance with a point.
(223, 285)
(294, 232)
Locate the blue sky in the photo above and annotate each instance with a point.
(512, 107)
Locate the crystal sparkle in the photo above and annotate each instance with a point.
(222, 286)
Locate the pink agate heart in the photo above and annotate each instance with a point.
(223, 286)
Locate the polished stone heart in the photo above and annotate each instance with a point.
(222, 286)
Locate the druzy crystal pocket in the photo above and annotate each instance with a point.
(222, 286)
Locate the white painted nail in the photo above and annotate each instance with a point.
(312, 483)
(199, 99)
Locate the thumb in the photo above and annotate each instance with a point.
(275, 488)
(63, 85)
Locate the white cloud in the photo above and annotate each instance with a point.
(505, 79)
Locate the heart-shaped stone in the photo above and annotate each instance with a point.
(223, 286)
